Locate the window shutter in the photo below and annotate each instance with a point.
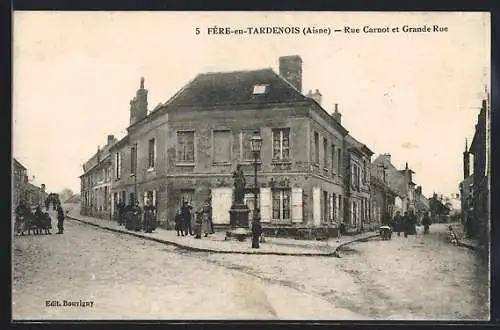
(317, 206)
(145, 197)
(154, 198)
(297, 202)
(332, 206)
(265, 204)
(221, 203)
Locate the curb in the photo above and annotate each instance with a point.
(360, 239)
(195, 249)
(469, 246)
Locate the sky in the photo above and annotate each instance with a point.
(413, 95)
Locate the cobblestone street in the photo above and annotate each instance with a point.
(130, 278)
(421, 277)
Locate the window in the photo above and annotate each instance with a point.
(326, 207)
(259, 89)
(151, 153)
(281, 145)
(316, 147)
(222, 146)
(186, 195)
(325, 153)
(118, 164)
(185, 146)
(246, 146)
(133, 159)
(281, 204)
(333, 158)
(339, 160)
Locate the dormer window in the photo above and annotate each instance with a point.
(260, 89)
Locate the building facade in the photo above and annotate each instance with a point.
(357, 182)
(187, 149)
(479, 215)
(95, 183)
(399, 181)
(19, 181)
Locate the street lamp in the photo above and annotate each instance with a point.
(256, 145)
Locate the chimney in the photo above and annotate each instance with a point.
(139, 104)
(26, 179)
(419, 190)
(111, 139)
(42, 187)
(316, 96)
(290, 68)
(337, 115)
(466, 161)
(388, 157)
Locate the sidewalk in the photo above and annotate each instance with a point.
(462, 240)
(216, 243)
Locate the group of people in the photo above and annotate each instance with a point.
(39, 220)
(202, 217)
(135, 218)
(407, 223)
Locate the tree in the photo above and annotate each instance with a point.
(65, 194)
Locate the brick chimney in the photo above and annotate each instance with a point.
(111, 139)
(139, 104)
(290, 68)
(388, 157)
(42, 187)
(418, 190)
(316, 96)
(336, 114)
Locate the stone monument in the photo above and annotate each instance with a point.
(238, 214)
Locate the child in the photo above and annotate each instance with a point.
(178, 223)
(452, 237)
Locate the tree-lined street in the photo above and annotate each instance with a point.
(421, 277)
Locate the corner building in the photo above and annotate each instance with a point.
(188, 147)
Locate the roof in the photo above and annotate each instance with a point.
(422, 203)
(18, 163)
(378, 181)
(358, 145)
(236, 87)
(396, 180)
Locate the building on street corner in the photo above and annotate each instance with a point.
(187, 148)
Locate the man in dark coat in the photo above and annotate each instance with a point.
(179, 227)
(426, 221)
(256, 230)
(60, 219)
(137, 217)
(186, 217)
(128, 213)
(149, 214)
(397, 223)
(406, 223)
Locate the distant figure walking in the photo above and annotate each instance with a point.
(60, 219)
(426, 221)
(149, 217)
(406, 224)
(186, 217)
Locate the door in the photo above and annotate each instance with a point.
(222, 198)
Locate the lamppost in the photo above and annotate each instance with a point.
(256, 145)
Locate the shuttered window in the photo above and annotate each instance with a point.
(297, 202)
(222, 146)
(281, 204)
(265, 204)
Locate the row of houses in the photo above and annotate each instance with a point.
(24, 191)
(312, 172)
(475, 187)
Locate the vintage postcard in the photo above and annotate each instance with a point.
(251, 165)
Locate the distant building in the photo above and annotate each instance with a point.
(422, 206)
(400, 181)
(19, 182)
(24, 191)
(96, 181)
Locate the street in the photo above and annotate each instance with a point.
(419, 277)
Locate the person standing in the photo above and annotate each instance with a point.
(426, 221)
(129, 216)
(60, 219)
(186, 218)
(198, 223)
(206, 223)
(179, 223)
(137, 216)
(397, 223)
(406, 223)
(149, 211)
(256, 230)
(208, 210)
